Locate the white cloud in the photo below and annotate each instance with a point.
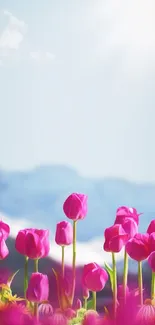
(13, 34)
(42, 57)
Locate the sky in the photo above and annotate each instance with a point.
(77, 82)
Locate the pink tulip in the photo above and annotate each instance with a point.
(78, 304)
(33, 243)
(151, 261)
(115, 238)
(45, 310)
(38, 288)
(152, 242)
(64, 233)
(4, 229)
(94, 277)
(138, 247)
(75, 206)
(151, 227)
(125, 212)
(130, 227)
(85, 292)
(4, 252)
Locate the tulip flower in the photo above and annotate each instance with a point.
(151, 262)
(64, 237)
(94, 278)
(125, 212)
(85, 296)
(138, 248)
(151, 227)
(75, 208)
(4, 252)
(34, 244)
(38, 289)
(4, 229)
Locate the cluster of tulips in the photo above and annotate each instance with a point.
(34, 308)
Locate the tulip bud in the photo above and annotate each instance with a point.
(64, 233)
(85, 292)
(138, 247)
(38, 288)
(94, 277)
(75, 206)
(125, 212)
(115, 238)
(33, 243)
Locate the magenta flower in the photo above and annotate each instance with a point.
(75, 206)
(151, 261)
(138, 247)
(14, 314)
(85, 292)
(130, 227)
(91, 318)
(4, 229)
(45, 310)
(38, 288)
(151, 227)
(115, 238)
(94, 277)
(64, 233)
(33, 243)
(56, 319)
(4, 252)
(152, 242)
(125, 212)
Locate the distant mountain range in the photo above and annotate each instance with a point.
(38, 195)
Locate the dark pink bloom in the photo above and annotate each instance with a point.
(14, 314)
(94, 277)
(38, 288)
(146, 315)
(64, 233)
(125, 212)
(33, 243)
(4, 252)
(152, 242)
(70, 313)
(151, 261)
(78, 304)
(75, 206)
(151, 227)
(138, 247)
(45, 310)
(130, 227)
(4, 229)
(115, 238)
(56, 319)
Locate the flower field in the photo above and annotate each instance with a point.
(128, 304)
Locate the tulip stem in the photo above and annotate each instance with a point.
(25, 275)
(153, 286)
(36, 304)
(140, 282)
(63, 261)
(74, 260)
(36, 265)
(94, 300)
(114, 284)
(125, 275)
(85, 303)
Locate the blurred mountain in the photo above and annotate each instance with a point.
(38, 195)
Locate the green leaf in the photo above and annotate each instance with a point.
(90, 304)
(111, 274)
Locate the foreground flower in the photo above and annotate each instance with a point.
(33, 243)
(15, 315)
(146, 314)
(94, 278)
(75, 206)
(125, 212)
(115, 238)
(38, 288)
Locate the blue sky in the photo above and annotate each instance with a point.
(77, 82)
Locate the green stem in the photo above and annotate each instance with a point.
(153, 286)
(114, 284)
(63, 261)
(140, 282)
(125, 275)
(94, 300)
(36, 304)
(25, 275)
(85, 303)
(74, 260)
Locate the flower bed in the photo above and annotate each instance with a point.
(128, 305)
